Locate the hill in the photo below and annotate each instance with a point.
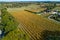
(34, 25)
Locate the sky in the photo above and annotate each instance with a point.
(25, 0)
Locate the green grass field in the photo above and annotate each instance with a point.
(10, 26)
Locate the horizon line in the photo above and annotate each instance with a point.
(29, 1)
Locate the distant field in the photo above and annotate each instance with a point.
(57, 8)
(34, 8)
(33, 24)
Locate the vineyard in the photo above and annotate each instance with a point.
(33, 24)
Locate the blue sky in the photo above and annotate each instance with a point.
(27, 0)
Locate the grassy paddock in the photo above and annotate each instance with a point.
(10, 27)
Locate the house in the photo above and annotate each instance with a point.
(47, 10)
(0, 32)
(54, 12)
(58, 13)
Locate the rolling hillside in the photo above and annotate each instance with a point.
(32, 24)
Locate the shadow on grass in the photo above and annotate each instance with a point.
(50, 35)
